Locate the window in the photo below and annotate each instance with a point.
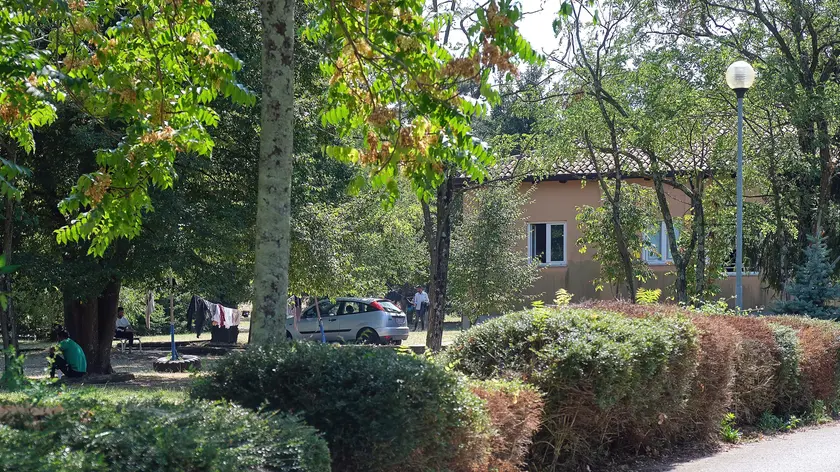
(327, 309)
(350, 308)
(751, 256)
(547, 243)
(660, 252)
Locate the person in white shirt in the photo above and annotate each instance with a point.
(421, 305)
(123, 328)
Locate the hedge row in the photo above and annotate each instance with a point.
(380, 410)
(80, 434)
(621, 378)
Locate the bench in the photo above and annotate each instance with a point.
(124, 342)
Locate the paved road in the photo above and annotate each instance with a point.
(816, 450)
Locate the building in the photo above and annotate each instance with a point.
(551, 215)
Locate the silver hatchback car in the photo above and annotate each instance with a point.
(363, 320)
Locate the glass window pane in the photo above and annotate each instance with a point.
(557, 243)
(538, 249)
(654, 237)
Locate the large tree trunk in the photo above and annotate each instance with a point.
(624, 252)
(8, 226)
(700, 232)
(271, 275)
(826, 171)
(439, 270)
(6, 316)
(91, 323)
(680, 262)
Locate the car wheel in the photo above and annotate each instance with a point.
(367, 336)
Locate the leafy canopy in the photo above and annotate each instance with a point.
(146, 69)
(395, 82)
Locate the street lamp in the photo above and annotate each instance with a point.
(740, 77)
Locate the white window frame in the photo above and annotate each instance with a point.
(548, 225)
(662, 259)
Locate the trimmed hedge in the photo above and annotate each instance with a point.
(379, 410)
(77, 434)
(515, 410)
(610, 382)
(623, 378)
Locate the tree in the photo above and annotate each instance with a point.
(488, 272)
(592, 101)
(144, 73)
(356, 246)
(813, 286)
(793, 42)
(599, 232)
(396, 84)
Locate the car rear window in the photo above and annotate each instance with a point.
(388, 306)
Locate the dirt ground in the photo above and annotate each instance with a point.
(136, 362)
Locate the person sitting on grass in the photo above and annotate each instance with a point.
(124, 329)
(72, 361)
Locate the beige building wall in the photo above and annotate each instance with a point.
(556, 202)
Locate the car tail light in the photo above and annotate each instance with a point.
(377, 306)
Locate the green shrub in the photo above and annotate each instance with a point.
(819, 367)
(790, 394)
(77, 434)
(379, 410)
(728, 432)
(563, 297)
(14, 378)
(770, 423)
(648, 297)
(610, 381)
(817, 413)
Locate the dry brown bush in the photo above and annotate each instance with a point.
(757, 367)
(515, 415)
(711, 391)
(631, 310)
(820, 342)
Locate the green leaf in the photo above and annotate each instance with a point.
(566, 9)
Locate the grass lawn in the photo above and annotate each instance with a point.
(112, 393)
(418, 338)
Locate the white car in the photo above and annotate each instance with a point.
(363, 320)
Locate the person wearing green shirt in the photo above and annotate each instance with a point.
(72, 361)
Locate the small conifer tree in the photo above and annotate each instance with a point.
(813, 284)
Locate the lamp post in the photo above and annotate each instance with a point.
(740, 77)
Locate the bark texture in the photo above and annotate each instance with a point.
(91, 323)
(439, 234)
(271, 275)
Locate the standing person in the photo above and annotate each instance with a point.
(124, 329)
(72, 361)
(421, 304)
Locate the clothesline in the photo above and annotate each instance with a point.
(201, 310)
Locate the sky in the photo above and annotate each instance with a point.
(536, 25)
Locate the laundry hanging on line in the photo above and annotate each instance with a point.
(202, 312)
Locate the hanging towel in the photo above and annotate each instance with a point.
(150, 308)
(222, 321)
